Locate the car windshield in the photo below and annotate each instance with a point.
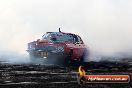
(58, 37)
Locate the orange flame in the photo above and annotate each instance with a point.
(81, 71)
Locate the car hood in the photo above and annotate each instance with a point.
(46, 42)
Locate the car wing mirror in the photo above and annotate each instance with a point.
(38, 40)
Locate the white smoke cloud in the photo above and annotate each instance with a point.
(105, 25)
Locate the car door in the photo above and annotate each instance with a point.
(80, 46)
(76, 50)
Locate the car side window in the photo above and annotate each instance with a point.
(80, 40)
(46, 36)
(75, 39)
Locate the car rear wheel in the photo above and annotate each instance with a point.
(84, 56)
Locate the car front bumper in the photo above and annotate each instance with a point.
(46, 54)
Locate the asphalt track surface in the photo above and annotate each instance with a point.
(55, 76)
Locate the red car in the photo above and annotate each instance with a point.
(59, 46)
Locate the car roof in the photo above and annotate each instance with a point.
(61, 33)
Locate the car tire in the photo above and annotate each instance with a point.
(68, 58)
(84, 55)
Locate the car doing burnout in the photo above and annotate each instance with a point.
(63, 47)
